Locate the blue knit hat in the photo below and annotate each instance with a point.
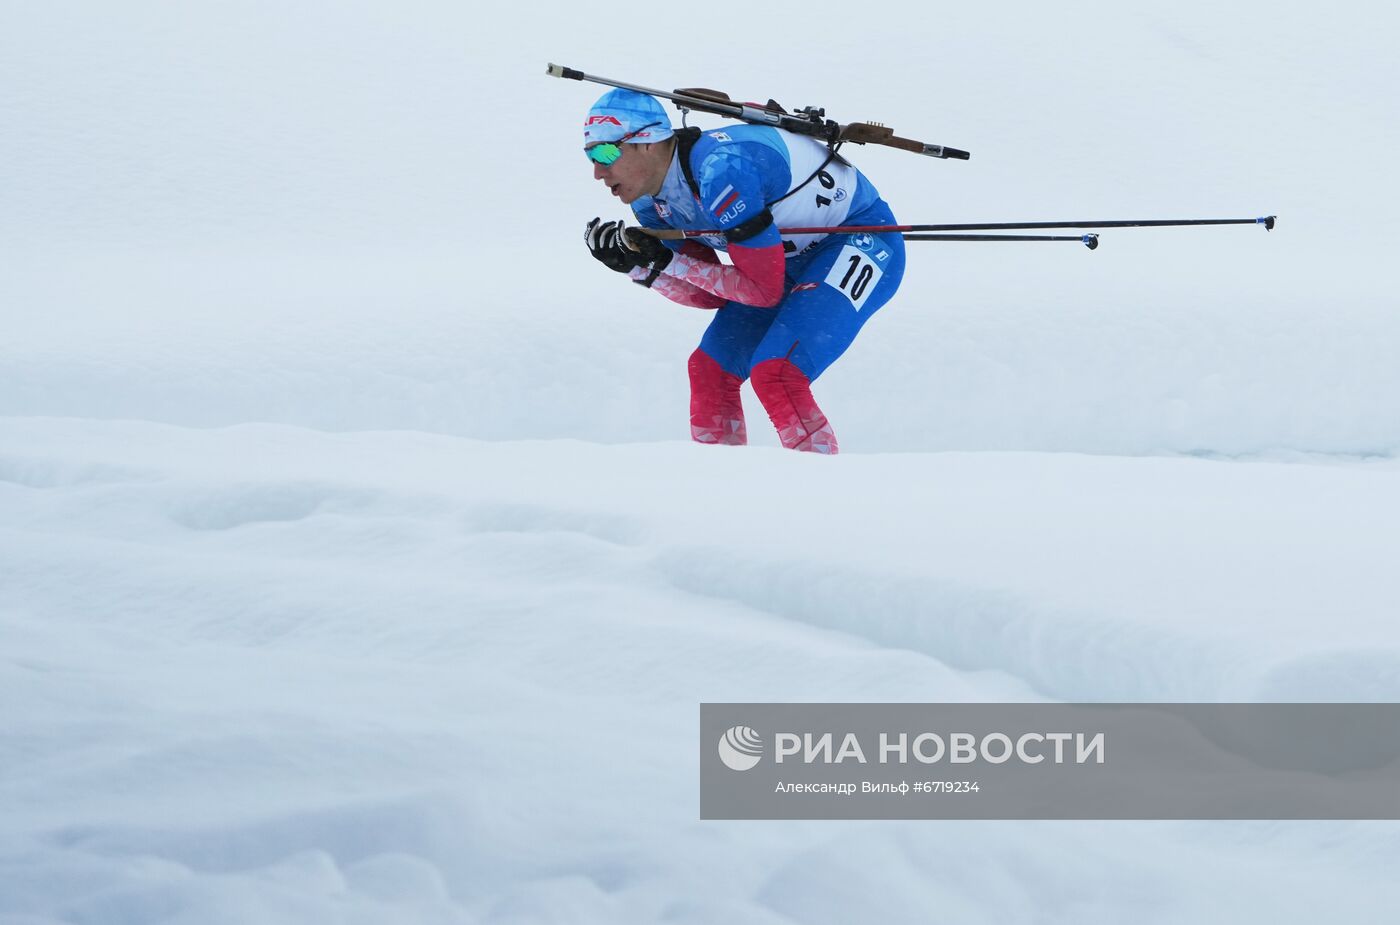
(621, 112)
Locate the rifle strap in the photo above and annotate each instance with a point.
(685, 144)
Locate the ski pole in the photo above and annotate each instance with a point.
(1267, 221)
(675, 234)
(1090, 241)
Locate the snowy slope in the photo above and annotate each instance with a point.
(354, 565)
(274, 674)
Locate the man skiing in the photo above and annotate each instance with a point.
(788, 307)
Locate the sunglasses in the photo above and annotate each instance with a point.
(609, 151)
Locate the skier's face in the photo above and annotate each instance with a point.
(638, 172)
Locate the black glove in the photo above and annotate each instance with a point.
(608, 242)
(654, 255)
(605, 243)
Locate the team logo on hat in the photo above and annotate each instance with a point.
(620, 112)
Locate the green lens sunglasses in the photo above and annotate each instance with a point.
(609, 151)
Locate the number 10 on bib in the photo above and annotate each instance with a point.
(854, 274)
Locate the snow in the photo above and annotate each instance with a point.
(354, 565)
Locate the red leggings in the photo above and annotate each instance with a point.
(717, 414)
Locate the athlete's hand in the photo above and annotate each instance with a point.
(605, 243)
(653, 254)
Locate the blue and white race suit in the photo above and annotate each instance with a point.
(750, 181)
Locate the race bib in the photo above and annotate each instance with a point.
(855, 275)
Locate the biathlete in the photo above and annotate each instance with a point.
(786, 307)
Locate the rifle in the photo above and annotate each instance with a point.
(809, 120)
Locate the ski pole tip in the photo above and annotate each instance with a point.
(1091, 241)
(1267, 221)
(558, 70)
